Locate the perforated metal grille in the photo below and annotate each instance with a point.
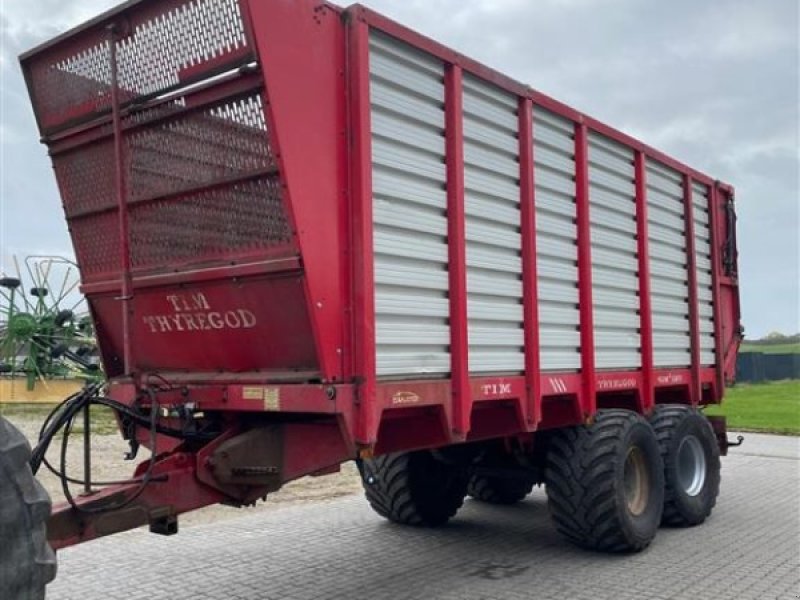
(86, 177)
(213, 224)
(168, 43)
(96, 241)
(201, 186)
(221, 142)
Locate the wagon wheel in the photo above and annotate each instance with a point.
(45, 330)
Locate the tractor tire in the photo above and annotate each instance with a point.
(413, 488)
(27, 563)
(498, 490)
(690, 454)
(605, 482)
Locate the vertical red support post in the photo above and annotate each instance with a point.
(715, 243)
(589, 384)
(363, 288)
(457, 251)
(694, 325)
(645, 305)
(126, 293)
(530, 286)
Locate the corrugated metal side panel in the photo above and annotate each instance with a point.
(669, 280)
(409, 210)
(615, 284)
(493, 241)
(705, 298)
(556, 241)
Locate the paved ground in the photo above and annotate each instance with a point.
(749, 549)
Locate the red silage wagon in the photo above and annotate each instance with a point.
(309, 235)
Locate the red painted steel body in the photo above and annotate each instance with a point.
(588, 383)
(457, 255)
(647, 390)
(247, 200)
(529, 269)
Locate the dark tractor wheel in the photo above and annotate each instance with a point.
(605, 482)
(413, 488)
(691, 464)
(498, 490)
(27, 563)
(63, 317)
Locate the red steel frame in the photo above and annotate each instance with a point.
(585, 303)
(584, 386)
(320, 132)
(457, 248)
(530, 284)
(647, 391)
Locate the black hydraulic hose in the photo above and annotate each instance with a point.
(61, 419)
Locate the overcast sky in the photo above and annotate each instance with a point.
(713, 83)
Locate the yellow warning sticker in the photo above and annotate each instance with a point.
(272, 399)
(253, 393)
(270, 396)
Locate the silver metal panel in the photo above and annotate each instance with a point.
(488, 135)
(611, 240)
(672, 323)
(396, 271)
(669, 277)
(669, 288)
(615, 285)
(489, 184)
(707, 358)
(393, 184)
(664, 305)
(704, 278)
(663, 217)
(624, 261)
(665, 270)
(565, 337)
(662, 357)
(403, 54)
(387, 98)
(490, 159)
(555, 159)
(612, 318)
(480, 107)
(705, 297)
(670, 253)
(393, 126)
(663, 202)
(556, 313)
(610, 277)
(493, 243)
(556, 237)
(491, 210)
(409, 210)
(613, 221)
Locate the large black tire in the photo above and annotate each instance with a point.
(27, 563)
(605, 482)
(498, 490)
(413, 488)
(691, 464)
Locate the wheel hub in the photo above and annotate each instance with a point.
(691, 465)
(636, 481)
